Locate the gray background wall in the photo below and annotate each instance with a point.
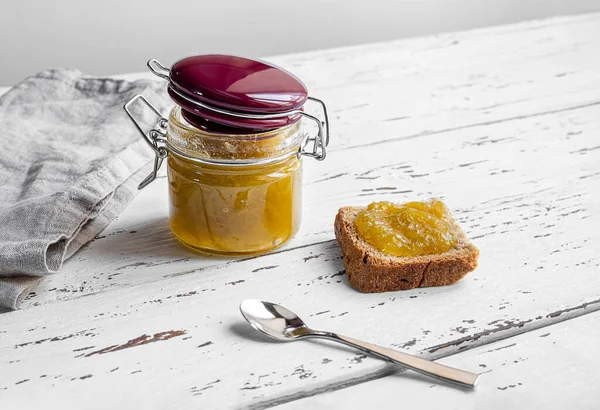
(117, 36)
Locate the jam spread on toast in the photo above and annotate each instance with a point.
(410, 229)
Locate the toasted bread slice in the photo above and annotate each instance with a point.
(369, 270)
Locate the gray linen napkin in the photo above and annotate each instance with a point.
(70, 162)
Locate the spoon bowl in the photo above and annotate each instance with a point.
(273, 320)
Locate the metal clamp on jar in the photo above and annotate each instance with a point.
(234, 145)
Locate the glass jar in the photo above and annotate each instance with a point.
(235, 176)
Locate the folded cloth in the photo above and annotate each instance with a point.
(70, 163)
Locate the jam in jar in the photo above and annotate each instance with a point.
(234, 145)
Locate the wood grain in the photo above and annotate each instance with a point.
(501, 123)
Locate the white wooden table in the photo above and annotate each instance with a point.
(502, 123)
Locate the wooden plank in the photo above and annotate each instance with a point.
(416, 86)
(522, 372)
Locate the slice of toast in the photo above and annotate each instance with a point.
(369, 270)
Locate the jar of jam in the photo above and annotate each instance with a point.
(234, 144)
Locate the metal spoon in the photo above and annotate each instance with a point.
(279, 323)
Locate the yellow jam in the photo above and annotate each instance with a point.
(227, 209)
(411, 229)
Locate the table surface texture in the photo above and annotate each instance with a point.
(502, 123)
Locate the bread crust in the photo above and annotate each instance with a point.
(369, 270)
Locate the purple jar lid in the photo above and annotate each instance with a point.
(220, 93)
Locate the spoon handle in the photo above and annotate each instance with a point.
(433, 369)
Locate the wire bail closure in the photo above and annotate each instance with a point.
(156, 138)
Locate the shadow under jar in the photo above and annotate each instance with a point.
(234, 145)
